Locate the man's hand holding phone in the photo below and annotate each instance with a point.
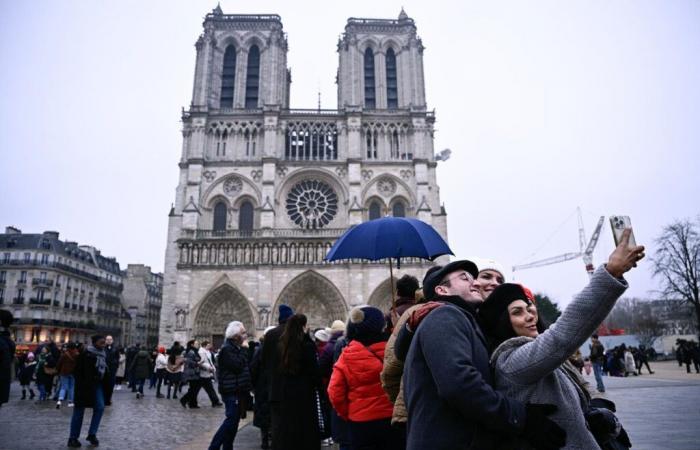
(625, 256)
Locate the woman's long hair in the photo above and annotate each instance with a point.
(291, 343)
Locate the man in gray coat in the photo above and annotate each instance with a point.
(447, 379)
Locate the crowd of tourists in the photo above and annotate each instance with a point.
(688, 353)
(463, 361)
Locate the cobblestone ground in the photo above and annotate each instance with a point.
(659, 412)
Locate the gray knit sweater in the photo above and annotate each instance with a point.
(529, 369)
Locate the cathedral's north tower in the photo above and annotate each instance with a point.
(265, 189)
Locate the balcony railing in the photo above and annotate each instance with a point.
(60, 266)
(263, 233)
(36, 301)
(42, 282)
(18, 301)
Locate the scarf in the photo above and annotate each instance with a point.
(101, 357)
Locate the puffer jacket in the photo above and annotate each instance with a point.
(355, 390)
(234, 372)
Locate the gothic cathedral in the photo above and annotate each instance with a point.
(265, 189)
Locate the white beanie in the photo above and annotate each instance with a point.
(490, 264)
(322, 335)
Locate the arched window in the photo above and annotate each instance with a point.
(228, 75)
(398, 210)
(375, 210)
(252, 82)
(370, 97)
(392, 93)
(245, 216)
(220, 216)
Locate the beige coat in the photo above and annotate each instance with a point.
(392, 373)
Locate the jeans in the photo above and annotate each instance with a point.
(139, 384)
(229, 427)
(76, 422)
(67, 386)
(598, 372)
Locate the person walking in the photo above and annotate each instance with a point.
(208, 372)
(597, 357)
(643, 359)
(355, 388)
(45, 371)
(234, 380)
(66, 367)
(26, 376)
(112, 364)
(190, 374)
(91, 380)
(160, 370)
(140, 369)
(260, 380)
(530, 361)
(7, 355)
(121, 369)
(447, 381)
(630, 366)
(294, 387)
(175, 367)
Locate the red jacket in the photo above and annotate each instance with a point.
(355, 390)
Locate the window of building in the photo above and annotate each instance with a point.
(220, 217)
(245, 216)
(42, 276)
(375, 210)
(394, 144)
(23, 276)
(6, 258)
(392, 93)
(27, 257)
(40, 295)
(228, 77)
(398, 210)
(3, 276)
(20, 295)
(2, 296)
(252, 82)
(370, 93)
(44, 258)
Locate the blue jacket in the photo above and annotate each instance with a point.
(447, 381)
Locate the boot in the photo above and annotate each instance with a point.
(93, 440)
(24, 394)
(31, 394)
(73, 442)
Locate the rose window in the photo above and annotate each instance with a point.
(312, 204)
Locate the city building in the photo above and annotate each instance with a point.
(264, 189)
(142, 296)
(58, 289)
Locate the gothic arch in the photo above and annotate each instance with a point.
(219, 307)
(390, 43)
(218, 198)
(315, 296)
(401, 186)
(254, 38)
(381, 296)
(231, 39)
(219, 182)
(369, 42)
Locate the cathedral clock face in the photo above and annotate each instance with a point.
(312, 204)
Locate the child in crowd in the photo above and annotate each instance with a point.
(26, 376)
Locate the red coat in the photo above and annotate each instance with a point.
(355, 390)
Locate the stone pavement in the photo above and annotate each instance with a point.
(659, 412)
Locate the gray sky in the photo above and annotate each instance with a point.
(546, 106)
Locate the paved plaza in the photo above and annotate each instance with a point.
(660, 411)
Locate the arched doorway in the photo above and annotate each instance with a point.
(381, 297)
(314, 296)
(221, 306)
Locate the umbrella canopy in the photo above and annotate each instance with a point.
(389, 237)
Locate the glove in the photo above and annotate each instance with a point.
(541, 432)
(419, 314)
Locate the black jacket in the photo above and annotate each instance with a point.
(7, 355)
(87, 378)
(233, 373)
(447, 384)
(270, 362)
(112, 358)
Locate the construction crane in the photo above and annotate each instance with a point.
(585, 253)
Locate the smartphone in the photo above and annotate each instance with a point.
(619, 223)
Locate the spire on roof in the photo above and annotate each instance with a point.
(217, 11)
(403, 15)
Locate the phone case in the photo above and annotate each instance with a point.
(619, 223)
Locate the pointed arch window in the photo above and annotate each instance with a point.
(220, 217)
(392, 93)
(252, 82)
(398, 210)
(370, 93)
(228, 75)
(375, 210)
(245, 216)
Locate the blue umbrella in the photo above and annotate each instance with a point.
(392, 238)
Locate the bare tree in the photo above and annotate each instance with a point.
(677, 262)
(636, 317)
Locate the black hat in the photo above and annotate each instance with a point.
(6, 318)
(496, 305)
(365, 321)
(436, 274)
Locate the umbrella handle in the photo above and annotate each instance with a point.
(393, 286)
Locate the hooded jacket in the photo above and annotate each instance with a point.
(355, 390)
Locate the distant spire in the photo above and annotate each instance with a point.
(403, 15)
(319, 100)
(217, 11)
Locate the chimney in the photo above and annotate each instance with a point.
(12, 230)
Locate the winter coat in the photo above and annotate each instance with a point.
(66, 363)
(87, 378)
(112, 358)
(7, 356)
(141, 365)
(191, 366)
(44, 360)
(121, 368)
(447, 384)
(355, 390)
(208, 369)
(270, 361)
(261, 381)
(597, 353)
(26, 374)
(530, 370)
(402, 304)
(234, 373)
(392, 373)
(630, 365)
(325, 359)
(296, 400)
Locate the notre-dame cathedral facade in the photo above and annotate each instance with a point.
(265, 189)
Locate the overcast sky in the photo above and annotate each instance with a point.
(546, 106)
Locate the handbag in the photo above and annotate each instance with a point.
(50, 370)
